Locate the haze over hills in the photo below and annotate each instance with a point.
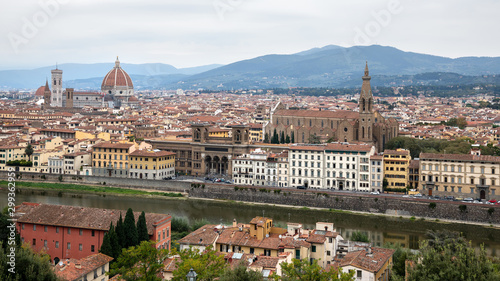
(329, 66)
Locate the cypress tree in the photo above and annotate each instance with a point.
(113, 238)
(120, 232)
(129, 229)
(106, 246)
(287, 139)
(292, 138)
(142, 228)
(282, 137)
(266, 138)
(275, 138)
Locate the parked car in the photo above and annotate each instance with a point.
(469, 199)
(375, 192)
(301, 187)
(418, 195)
(493, 201)
(450, 198)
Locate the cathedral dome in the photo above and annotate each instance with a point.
(39, 92)
(117, 79)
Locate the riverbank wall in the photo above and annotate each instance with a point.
(431, 209)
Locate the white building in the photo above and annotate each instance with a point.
(283, 174)
(74, 162)
(340, 166)
(258, 168)
(57, 91)
(377, 172)
(56, 165)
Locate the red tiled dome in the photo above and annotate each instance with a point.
(39, 91)
(116, 77)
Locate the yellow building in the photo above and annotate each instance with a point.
(151, 164)
(256, 133)
(11, 153)
(396, 166)
(111, 159)
(219, 133)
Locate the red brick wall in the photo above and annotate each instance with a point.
(161, 227)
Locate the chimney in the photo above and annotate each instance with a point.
(326, 228)
(235, 224)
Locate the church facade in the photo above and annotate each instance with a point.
(366, 125)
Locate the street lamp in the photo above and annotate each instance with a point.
(191, 276)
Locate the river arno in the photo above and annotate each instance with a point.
(380, 229)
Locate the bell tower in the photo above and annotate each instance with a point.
(366, 115)
(46, 95)
(57, 92)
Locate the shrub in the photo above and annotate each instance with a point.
(490, 211)
(432, 205)
(412, 218)
(462, 208)
(43, 177)
(60, 178)
(236, 188)
(376, 199)
(60, 194)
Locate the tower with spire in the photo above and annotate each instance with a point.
(366, 113)
(57, 90)
(46, 95)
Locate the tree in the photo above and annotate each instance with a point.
(385, 183)
(106, 247)
(266, 138)
(314, 139)
(28, 265)
(141, 262)
(120, 232)
(282, 137)
(455, 259)
(142, 228)
(241, 273)
(275, 138)
(398, 261)
(29, 151)
(129, 229)
(115, 242)
(287, 139)
(305, 271)
(208, 265)
(292, 138)
(360, 237)
(4, 231)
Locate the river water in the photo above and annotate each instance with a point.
(380, 229)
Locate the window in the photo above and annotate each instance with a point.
(69, 246)
(314, 249)
(359, 274)
(69, 230)
(34, 227)
(80, 247)
(93, 233)
(81, 232)
(57, 244)
(45, 228)
(92, 248)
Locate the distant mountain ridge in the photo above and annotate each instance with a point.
(328, 66)
(78, 72)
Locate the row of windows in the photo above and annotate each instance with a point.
(452, 179)
(459, 168)
(46, 228)
(68, 245)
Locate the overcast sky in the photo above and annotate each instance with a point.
(188, 33)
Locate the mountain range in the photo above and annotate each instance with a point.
(329, 66)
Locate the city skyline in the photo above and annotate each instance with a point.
(194, 33)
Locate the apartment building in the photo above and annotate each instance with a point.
(340, 166)
(282, 162)
(396, 168)
(377, 172)
(111, 159)
(258, 168)
(460, 175)
(151, 164)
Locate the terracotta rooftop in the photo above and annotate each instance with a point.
(113, 145)
(80, 217)
(151, 153)
(362, 259)
(205, 236)
(460, 157)
(319, 114)
(69, 271)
